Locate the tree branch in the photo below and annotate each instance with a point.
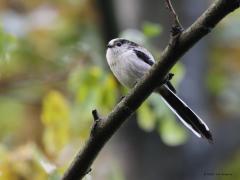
(176, 27)
(153, 79)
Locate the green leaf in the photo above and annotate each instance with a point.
(171, 132)
(151, 29)
(107, 93)
(231, 168)
(8, 44)
(11, 116)
(216, 82)
(178, 70)
(146, 117)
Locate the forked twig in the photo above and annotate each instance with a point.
(177, 28)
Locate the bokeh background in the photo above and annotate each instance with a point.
(53, 73)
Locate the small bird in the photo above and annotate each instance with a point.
(129, 62)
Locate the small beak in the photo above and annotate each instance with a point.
(109, 46)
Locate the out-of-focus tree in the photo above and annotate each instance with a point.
(224, 67)
(51, 77)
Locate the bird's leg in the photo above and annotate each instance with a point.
(168, 83)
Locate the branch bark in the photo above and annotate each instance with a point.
(104, 128)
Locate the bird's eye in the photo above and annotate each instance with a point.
(118, 44)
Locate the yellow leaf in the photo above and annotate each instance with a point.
(56, 120)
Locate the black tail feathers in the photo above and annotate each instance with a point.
(185, 114)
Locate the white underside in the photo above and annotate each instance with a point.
(127, 68)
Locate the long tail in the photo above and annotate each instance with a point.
(185, 114)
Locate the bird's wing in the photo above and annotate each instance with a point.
(144, 55)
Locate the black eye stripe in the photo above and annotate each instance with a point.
(123, 41)
(120, 42)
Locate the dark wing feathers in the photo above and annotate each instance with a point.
(141, 55)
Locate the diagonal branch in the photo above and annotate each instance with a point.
(108, 126)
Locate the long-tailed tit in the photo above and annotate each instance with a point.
(130, 61)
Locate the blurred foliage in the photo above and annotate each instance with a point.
(146, 117)
(51, 77)
(7, 45)
(92, 88)
(224, 72)
(10, 122)
(230, 170)
(25, 162)
(151, 29)
(55, 118)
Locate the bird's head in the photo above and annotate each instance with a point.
(118, 46)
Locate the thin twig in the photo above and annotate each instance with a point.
(95, 115)
(177, 28)
(96, 123)
(176, 22)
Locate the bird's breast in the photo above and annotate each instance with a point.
(120, 67)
